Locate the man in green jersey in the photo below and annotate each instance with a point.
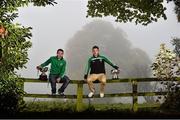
(57, 72)
(96, 66)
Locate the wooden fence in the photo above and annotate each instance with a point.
(79, 95)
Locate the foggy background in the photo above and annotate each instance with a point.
(132, 47)
(54, 26)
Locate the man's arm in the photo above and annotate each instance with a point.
(46, 63)
(109, 62)
(61, 75)
(87, 69)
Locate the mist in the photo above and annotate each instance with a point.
(132, 47)
(113, 43)
(53, 26)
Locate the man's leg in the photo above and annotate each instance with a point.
(52, 79)
(65, 81)
(102, 79)
(90, 80)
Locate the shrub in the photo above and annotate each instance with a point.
(11, 95)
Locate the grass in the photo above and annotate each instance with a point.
(124, 106)
(44, 106)
(55, 109)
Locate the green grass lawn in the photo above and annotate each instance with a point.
(43, 106)
(56, 109)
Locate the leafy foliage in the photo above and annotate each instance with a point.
(166, 67)
(9, 8)
(14, 45)
(140, 11)
(11, 95)
(164, 64)
(14, 49)
(177, 8)
(176, 43)
(172, 101)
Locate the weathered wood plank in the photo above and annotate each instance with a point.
(135, 96)
(97, 95)
(108, 81)
(50, 96)
(111, 95)
(80, 96)
(79, 101)
(151, 93)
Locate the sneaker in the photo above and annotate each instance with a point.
(53, 93)
(90, 94)
(101, 95)
(62, 94)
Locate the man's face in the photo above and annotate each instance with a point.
(60, 54)
(95, 52)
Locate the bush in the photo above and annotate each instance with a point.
(14, 45)
(11, 95)
(172, 101)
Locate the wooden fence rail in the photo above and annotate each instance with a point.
(79, 95)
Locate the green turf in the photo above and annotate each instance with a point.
(43, 106)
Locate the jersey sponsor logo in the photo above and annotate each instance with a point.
(61, 64)
(98, 58)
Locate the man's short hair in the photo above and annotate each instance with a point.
(60, 50)
(95, 47)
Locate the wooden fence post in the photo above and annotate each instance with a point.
(79, 100)
(135, 97)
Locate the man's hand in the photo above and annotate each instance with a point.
(58, 79)
(116, 67)
(38, 67)
(85, 77)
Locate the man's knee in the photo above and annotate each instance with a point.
(103, 80)
(52, 78)
(66, 78)
(89, 80)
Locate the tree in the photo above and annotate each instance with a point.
(164, 63)
(176, 44)
(140, 11)
(164, 68)
(14, 44)
(177, 8)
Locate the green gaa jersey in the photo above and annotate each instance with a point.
(96, 65)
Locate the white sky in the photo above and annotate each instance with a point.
(53, 26)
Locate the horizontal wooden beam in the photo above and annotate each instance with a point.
(111, 95)
(151, 93)
(50, 96)
(108, 81)
(96, 95)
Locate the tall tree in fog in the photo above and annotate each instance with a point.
(113, 43)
